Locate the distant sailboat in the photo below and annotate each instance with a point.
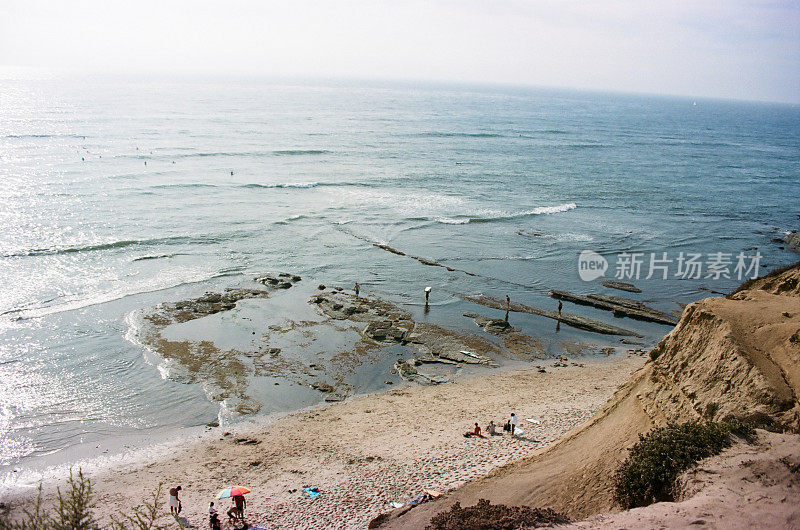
(694, 103)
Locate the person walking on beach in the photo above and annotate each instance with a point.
(174, 501)
(357, 288)
(513, 422)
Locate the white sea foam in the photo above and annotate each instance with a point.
(161, 282)
(543, 210)
(451, 221)
(503, 216)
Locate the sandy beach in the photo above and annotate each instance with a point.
(371, 450)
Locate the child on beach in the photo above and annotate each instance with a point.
(213, 517)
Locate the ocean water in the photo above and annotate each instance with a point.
(119, 194)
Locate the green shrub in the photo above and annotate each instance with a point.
(487, 516)
(648, 474)
(73, 510)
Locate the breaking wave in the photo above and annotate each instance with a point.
(288, 185)
(541, 210)
(112, 245)
(303, 185)
(45, 136)
(434, 134)
(254, 154)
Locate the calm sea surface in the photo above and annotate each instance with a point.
(119, 194)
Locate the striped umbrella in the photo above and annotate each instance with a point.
(232, 491)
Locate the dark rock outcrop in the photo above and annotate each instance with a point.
(620, 307)
(621, 286)
(586, 324)
(792, 240)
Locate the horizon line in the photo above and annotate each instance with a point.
(358, 79)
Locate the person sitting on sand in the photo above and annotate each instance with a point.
(237, 509)
(174, 501)
(213, 517)
(491, 429)
(475, 432)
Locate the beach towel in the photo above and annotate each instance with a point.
(311, 493)
(535, 422)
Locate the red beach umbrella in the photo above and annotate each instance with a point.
(232, 491)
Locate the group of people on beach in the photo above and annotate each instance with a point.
(491, 429)
(235, 512)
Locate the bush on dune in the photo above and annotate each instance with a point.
(485, 516)
(649, 473)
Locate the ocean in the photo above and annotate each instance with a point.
(120, 194)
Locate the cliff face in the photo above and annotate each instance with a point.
(731, 357)
(727, 357)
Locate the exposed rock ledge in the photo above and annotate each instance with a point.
(576, 321)
(388, 324)
(619, 306)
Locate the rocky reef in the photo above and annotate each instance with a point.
(354, 332)
(384, 323)
(223, 373)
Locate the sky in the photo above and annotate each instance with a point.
(724, 49)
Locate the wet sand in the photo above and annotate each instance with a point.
(371, 450)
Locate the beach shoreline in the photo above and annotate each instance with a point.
(368, 451)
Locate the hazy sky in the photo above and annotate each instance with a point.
(734, 49)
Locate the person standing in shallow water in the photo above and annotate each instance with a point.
(508, 303)
(560, 305)
(357, 289)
